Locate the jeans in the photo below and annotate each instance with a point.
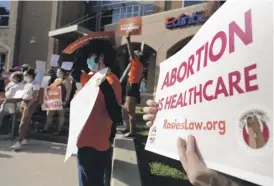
(61, 119)
(107, 172)
(91, 166)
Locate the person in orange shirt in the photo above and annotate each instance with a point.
(94, 140)
(64, 81)
(132, 89)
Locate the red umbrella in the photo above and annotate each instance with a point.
(85, 40)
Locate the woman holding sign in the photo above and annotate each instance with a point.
(64, 81)
(94, 140)
(132, 88)
(28, 106)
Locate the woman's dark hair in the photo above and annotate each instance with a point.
(18, 76)
(30, 72)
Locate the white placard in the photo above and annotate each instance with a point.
(39, 76)
(84, 101)
(67, 65)
(54, 60)
(40, 66)
(19, 94)
(45, 81)
(79, 86)
(219, 88)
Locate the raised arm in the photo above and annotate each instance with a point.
(129, 46)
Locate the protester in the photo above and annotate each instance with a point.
(64, 81)
(28, 106)
(133, 90)
(52, 73)
(196, 170)
(108, 168)
(15, 84)
(94, 140)
(84, 79)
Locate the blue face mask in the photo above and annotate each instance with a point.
(91, 63)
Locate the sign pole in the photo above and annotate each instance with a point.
(125, 73)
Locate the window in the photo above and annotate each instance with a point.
(93, 3)
(125, 12)
(110, 2)
(91, 23)
(4, 13)
(190, 2)
(106, 18)
(148, 9)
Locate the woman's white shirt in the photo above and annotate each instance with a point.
(12, 88)
(29, 88)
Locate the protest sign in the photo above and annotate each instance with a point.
(84, 101)
(19, 94)
(67, 65)
(54, 60)
(78, 86)
(40, 65)
(219, 88)
(39, 76)
(132, 24)
(52, 98)
(40, 71)
(45, 81)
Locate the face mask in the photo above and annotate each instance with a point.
(27, 79)
(91, 63)
(59, 74)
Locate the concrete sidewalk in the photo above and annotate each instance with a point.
(38, 164)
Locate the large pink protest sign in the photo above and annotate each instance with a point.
(219, 88)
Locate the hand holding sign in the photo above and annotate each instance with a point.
(128, 34)
(218, 81)
(196, 171)
(151, 112)
(130, 26)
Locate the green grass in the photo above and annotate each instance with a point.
(160, 169)
(139, 110)
(156, 169)
(144, 133)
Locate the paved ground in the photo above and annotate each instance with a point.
(38, 164)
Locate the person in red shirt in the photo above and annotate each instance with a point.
(132, 89)
(94, 140)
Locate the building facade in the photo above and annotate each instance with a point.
(25, 25)
(34, 30)
(164, 34)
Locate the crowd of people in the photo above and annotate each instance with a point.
(22, 79)
(95, 141)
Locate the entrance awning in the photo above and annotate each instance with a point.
(71, 32)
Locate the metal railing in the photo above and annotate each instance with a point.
(4, 20)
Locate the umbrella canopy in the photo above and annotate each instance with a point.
(94, 43)
(83, 41)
